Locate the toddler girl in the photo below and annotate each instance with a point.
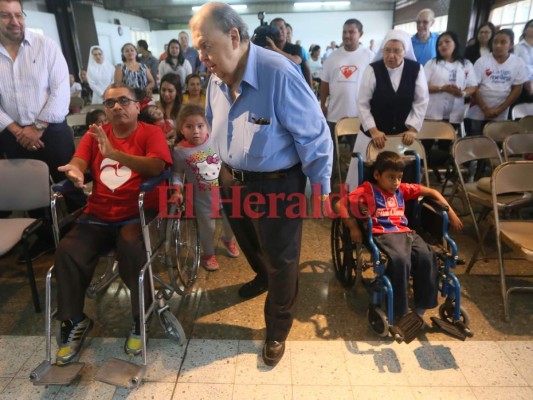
(153, 115)
(195, 157)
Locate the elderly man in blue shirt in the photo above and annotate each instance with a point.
(270, 134)
(425, 42)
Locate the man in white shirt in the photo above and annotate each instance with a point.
(35, 98)
(341, 75)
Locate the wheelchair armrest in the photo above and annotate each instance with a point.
(150, 184)
(438, 206)
(66, 185)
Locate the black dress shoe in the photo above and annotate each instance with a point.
(272, 352)
(38, 249)
(253, 288)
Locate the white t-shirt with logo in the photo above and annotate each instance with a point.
(342, 70)
(495, 83)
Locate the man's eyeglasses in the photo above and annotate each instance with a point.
(423, 22)
(122, 101)
(8, 17)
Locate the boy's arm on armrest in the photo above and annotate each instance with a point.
(350, 222)
(455, 222)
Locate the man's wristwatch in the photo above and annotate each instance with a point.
(39, 126)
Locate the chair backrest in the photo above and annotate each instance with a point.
(436, 130)
(499, 130)
(518, 144)
(76, 102)
(526, 123)
(347, 126)
(394, 143)
(91, 107)
(76, 119)
(512, 177)
(25, 185)
(472, 148)
(521, 110)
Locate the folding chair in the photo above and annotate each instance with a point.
(345, 126)
(499, 130)
(438, 130)
(521, 110)
(25, 186)
(526, 123)
(511, 177)
(77, 124)
(518, 144)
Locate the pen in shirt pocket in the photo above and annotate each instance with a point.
(259, 120)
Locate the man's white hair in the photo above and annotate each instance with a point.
(428, 11)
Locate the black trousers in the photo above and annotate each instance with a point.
(78, 254)
(58, 150)
(410, 255)
(271, 243)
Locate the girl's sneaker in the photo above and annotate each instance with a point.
(231, 248)
(210, 263)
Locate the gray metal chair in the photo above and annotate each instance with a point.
(518, 144)
(344, 127)
(521, 110)
(499, 130)
(526, 123)
(25, 185)
(511, 177)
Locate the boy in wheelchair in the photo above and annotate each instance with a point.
(408, 254)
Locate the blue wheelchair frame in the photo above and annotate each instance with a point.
(453, 319)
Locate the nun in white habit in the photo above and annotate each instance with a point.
(393, 97)
(99, 73)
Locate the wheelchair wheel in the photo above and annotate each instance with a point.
(182, 253)
(446, 313)
(172, 327)
(377, 319)
(344, 253)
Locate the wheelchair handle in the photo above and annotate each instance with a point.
(150, 184)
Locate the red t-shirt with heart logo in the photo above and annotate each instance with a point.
(115, 189)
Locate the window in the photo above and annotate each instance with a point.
(513, 16)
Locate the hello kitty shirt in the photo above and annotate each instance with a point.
(115, 189)
(199, 165)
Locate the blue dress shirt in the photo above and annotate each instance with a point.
(274, 123)
(425, 51)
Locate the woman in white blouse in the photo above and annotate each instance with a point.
(99, 74)
(450, 79)
(393, 97)
(175, 62)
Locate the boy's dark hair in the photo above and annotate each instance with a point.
(144, 115)
(143, 44)
(92, 116)
(389, 160)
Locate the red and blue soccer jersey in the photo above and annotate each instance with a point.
(387, 210)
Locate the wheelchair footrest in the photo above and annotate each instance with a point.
(53, 374)
(408, 327)
(449, 328)
(121, 373)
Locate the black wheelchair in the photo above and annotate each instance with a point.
(430, 220)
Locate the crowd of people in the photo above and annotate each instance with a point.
(259, 128)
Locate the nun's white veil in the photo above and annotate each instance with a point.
(401, 36)
(99, 76)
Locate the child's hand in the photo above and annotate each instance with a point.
(356, 235)
(177, 197)
(455, 222)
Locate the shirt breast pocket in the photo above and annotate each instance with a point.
(256, 139)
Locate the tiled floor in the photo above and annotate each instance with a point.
(331, 353)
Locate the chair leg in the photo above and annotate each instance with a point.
(479, 248)
(31, 277)
(505, 294)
